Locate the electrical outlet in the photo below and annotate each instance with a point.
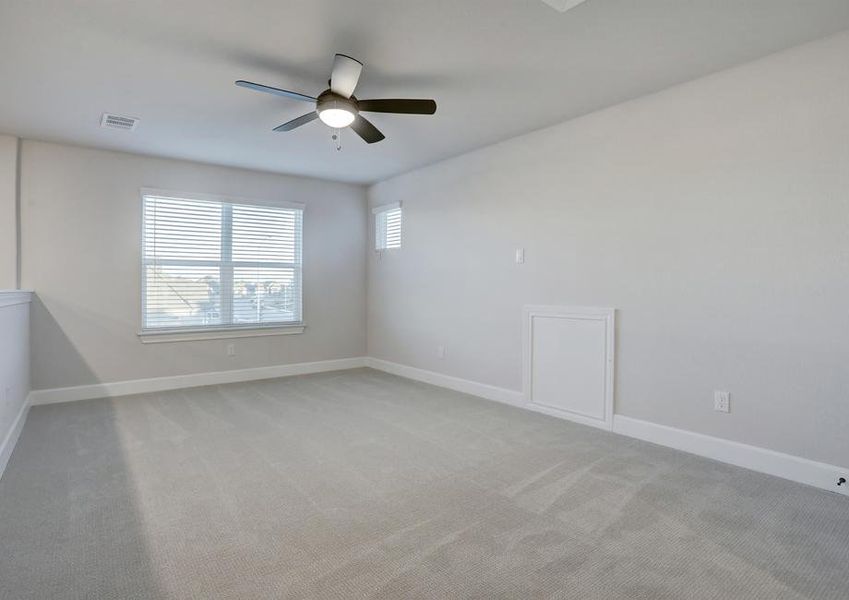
(721, 401)
(231, 349)
(440, 352)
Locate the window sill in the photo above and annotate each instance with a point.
(195, 335)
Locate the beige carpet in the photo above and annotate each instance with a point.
(359, 484)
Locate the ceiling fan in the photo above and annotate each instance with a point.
(337, 107)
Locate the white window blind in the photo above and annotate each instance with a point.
(387, 227)
(211, 264)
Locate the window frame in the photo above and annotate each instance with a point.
(377, 211)
(218, 331)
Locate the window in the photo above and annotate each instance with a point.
(387, 226)
(212, 264)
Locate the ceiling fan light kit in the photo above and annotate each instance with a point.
(338, 108)
(336, 111)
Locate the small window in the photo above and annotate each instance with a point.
(387, 227)
(214, 264)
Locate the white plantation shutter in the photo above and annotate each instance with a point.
(387, 227)
(216, 264)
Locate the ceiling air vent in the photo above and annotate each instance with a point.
(563, 5)
(118, 122)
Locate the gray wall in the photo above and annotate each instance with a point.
(8, 233)
(81, 215)
(714, 216)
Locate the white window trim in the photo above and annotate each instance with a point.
(385, 207)
(382, 209)
(217, 198)
(153, 336)
(222, 333)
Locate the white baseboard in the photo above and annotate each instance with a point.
(12, 436)
(483, 390)
(159, 384)
(755, 458)
(475, 388)
(786, 466)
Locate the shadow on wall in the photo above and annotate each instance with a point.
(70, 519)
(56, 361)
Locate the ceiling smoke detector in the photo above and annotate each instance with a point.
(118, 122)
(563, 5)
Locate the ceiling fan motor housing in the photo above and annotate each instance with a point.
(327, 100)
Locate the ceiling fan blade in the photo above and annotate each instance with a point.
(273, 90)
(399, 106)
(345, 75)
(302, 120)
(366, 130)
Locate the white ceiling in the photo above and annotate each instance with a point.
(497, 68)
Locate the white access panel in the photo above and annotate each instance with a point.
(569, 362)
